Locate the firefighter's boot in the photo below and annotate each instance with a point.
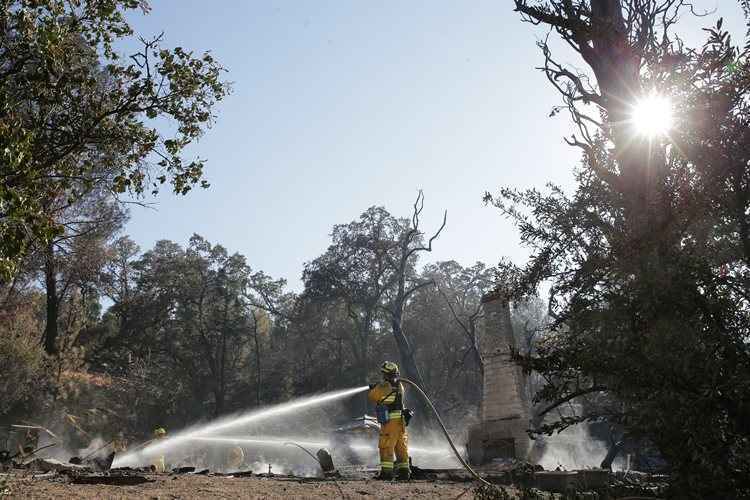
(402, 471)
(386, 472)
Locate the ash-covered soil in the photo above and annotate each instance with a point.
(195, 486)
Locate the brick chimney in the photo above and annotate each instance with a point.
(505, 413)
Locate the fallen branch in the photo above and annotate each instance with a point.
(36, 427)
(35, 451)
(113, 480)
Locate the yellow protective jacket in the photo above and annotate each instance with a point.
(393, 436)
(390, 396)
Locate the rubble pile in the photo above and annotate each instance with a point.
(94, 471)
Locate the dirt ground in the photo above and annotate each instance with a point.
(185, 486)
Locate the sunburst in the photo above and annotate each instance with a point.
(652, 115)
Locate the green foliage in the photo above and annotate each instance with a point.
(370, 269)
(357, 272)
(648, 263)
(74, 115)
(195, 316)
(194, 332)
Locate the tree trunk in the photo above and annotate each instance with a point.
(612, 453)
(408, 363)
(411, 371)
(219, 396)
(616, 66)
(53, 302)
(257, 364)
(365, 369)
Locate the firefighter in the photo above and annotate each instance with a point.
(160, 463)
(388, 397)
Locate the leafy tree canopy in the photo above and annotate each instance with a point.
(649, 259)
(75, 114)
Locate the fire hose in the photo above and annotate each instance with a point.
(289, 443)
(445, 431)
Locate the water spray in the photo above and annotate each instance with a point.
(205, 431)
(287, 440)
(258, 441)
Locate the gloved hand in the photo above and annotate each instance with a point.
(407, 413)
(371, 386)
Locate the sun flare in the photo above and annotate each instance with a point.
(652, 115)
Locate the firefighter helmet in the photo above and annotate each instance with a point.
(389, 368)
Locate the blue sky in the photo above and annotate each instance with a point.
(340, 105)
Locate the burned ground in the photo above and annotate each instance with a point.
(196, 486)
(53, 479)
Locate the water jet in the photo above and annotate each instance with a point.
(207, 430)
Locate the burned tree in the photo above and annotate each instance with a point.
(355, 273)
(462, 290)
(370, 268)
(402, 258)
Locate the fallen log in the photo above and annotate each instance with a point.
(183, 470)
(115, 480)
(30, 453)
(36, 428)
(52, 465)
(124, 470)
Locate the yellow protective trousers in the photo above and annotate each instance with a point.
(393, 438)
